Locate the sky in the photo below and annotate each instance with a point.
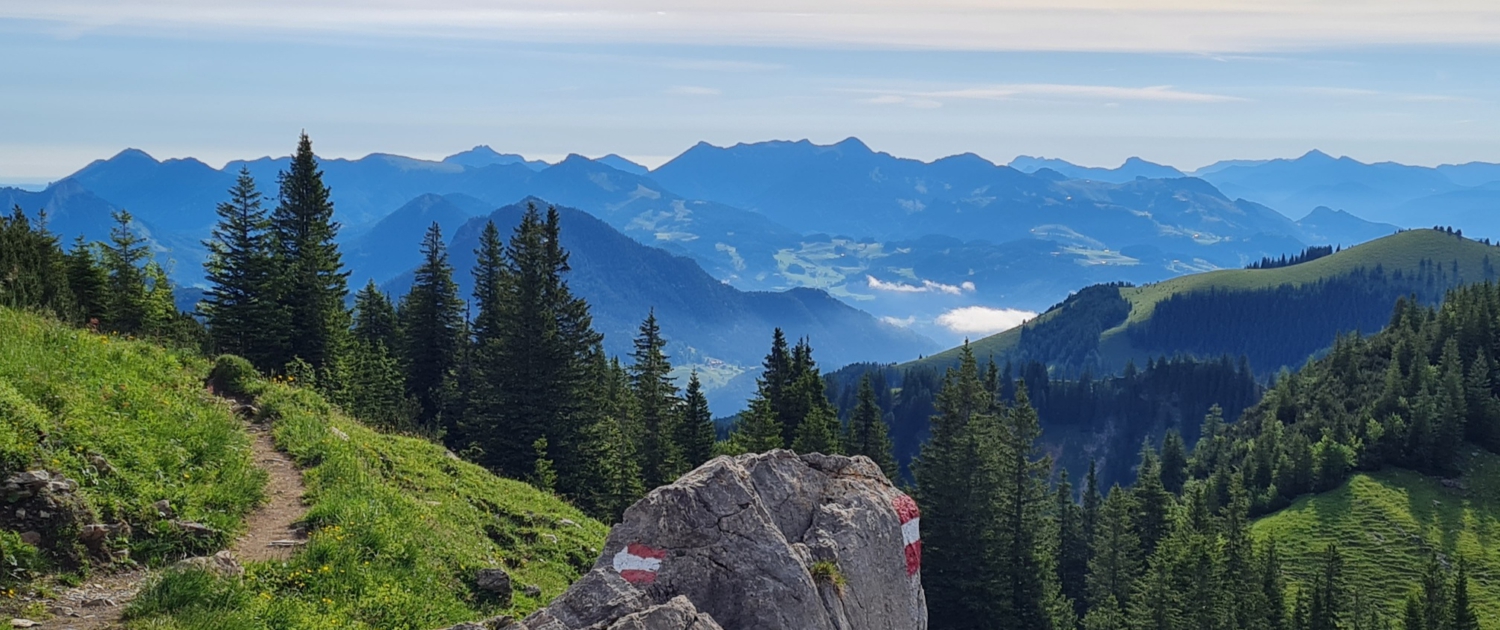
(1180, 82)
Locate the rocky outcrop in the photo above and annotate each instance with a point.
(756, 542)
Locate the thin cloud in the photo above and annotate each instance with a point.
(1221, 26)
(983, 320)
(1047, 90)
(694, 90)
(927, 286)
(899, 322)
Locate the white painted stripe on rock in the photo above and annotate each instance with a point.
(626, 561)
(910, 532)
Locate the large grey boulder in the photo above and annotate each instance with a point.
(757, 542)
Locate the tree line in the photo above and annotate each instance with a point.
(114, 286)
(1008, 544)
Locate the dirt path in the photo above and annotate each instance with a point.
(270, 535)
(270, 532)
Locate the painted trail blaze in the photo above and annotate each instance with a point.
(911, 536)
(638, 563)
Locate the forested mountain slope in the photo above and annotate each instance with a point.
(1275, 317)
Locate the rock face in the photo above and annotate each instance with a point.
(756, 542)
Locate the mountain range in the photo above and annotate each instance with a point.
(941, 247)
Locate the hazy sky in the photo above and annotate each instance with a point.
(1185, 82)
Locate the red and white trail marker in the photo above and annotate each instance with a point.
(911, 535)
(638, 563)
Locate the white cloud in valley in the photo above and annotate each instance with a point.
(983, 320)
(899, 322)
(927, 286)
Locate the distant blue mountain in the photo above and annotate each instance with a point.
(1326, 226)
(394, 244)
(621, 164)
(1317, 179)
(71, 210)
(705, 320)
(1132, 168)
(849, 189)
(483, 155)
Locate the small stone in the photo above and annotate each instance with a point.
(222, 563)
(550, 538)
(44, 514)
(164, 509)
(566, 522)
(21, 513)
(339, 434)
(494, 581)
(195, 529)
(32, 538)
(23, 623)
(287, 543)
(98, 602)
(532, 590)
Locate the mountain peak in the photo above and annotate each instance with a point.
(132, 155)
(1315, 156)
(853, 144)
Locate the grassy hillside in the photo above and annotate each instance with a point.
(1403, 251)
(129, 422)
(398, 528)
(1387, 525)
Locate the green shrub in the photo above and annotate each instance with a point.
(827, 572)
(18, 560)
(234, 376)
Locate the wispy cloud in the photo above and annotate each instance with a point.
(899, 322)
(1362, 93)
(1109, 94)
(983, 320)
(927, 286)
(694, 90)
(1217, 26)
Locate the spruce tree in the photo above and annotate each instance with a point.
(88, 280)
(159, 310)
(310, 275)
(533, 372)
(868, 434)
(954, 567)
(240, 305)
(1174, 462)
(695, 433)
(1021, 504)
(1153, 502)
(1117, 551)
(658, 405)
(612, 442)
(1069, 547)
(375, 318)
(124, 258)
(1462, 616)
(775, 380)
(431, 318)
(757, 429)
(1092, 499)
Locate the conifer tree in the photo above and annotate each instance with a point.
(1273, 587)
(812, 419)
(1462, 616)
(1021, 505)
(1092, 499)
(1117, 551)
(159, 310)
(124, 258)
(695, 433)
(431, 321)
(310, 274)
(88, 281)
(491, 287)
(1070, 548)
(945, 470)
(33, 271)
(867, 432)
(1153, 502)
(658, 405)
(775, 380)
(757, 429)
(375, 318)
(533, 372)
(612, 441)
(240, 305)
(1174, 462)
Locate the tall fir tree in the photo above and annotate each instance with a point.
(658, 404)
(695, 433)
(1462, 615)
(757, 430)
(1116, 551)
(1069, 547)
(533, 371)
(240, 305)
(124, 257)
(431, 319)
(1174, 462)
(867, 432)
(375, 318)
(89, 282)
(1021, 504)
(310, 273)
